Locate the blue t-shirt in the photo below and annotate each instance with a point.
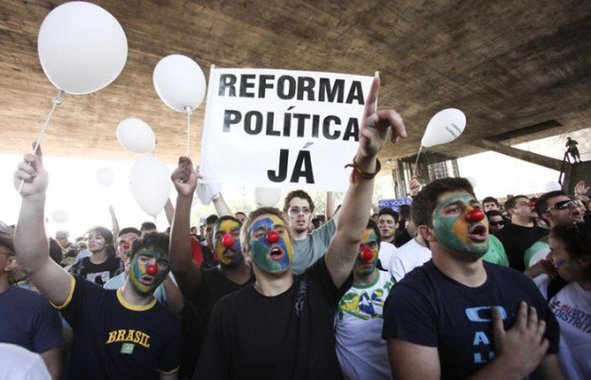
(430, 309)
(116, 340)
(27, 320)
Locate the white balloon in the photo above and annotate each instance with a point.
(82, 47)
(136, 136)
(105, 177)
(444, 127)
(150, 184)
(553, 186)
(179, 82)
(60, 216)
(266, 197)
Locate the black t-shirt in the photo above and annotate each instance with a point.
(516, 239)
(97, 273)
(430, 309)
(289, 336)
(195, 315)
(116, 340)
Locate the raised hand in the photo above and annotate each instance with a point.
(32, 175)
(523, 346)
(375, 124)
(185, 177)
(581, 189)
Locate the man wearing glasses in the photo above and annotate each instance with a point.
(557, 209)
(521, 233)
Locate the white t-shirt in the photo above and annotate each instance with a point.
(18, 363)
(385, 253)
(572, 308)
(361, 351)
(408, 257)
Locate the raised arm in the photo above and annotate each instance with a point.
(30, 240)
(221, 207)
(329, 205)
(354, 214)
(114, 224)
(186, 273)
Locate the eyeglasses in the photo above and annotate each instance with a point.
(296, 211)
(496, 224)
(562, 205)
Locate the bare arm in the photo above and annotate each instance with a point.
(221, 207)
(169, 211)
(174, 297)
(551, 367)
(412, 361)
(30, 240)
(354, 214)
(186, 273)
(115, 224)
(53, 360)
(329, 205)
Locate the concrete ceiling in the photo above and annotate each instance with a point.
(519, 69)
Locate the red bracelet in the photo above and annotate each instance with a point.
(357, 173)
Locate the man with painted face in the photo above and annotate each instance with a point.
(202, 287)
(358, 327)
(281, 327)
(457, 316)
(123, 334)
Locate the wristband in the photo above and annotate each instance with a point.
(356, 174)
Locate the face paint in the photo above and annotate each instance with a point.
(148, 269)
(458, 226)
(96, 242)
(270, 244)
(367, 259)
(227, 243)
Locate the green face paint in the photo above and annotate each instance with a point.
(140, 278)
(369, 242)
(270, 256)
(453, 230)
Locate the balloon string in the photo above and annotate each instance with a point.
(189, 112)
(56, 102)
(417, 160)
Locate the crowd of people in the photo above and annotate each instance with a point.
(450, 287)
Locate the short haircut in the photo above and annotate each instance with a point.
(510, 203)
(252, 216)
(576, 238)
(7, 237)
(129, 230)
(297, 194)
(491, 213)
(239, 213)
(490, 199)
(425, 202)
(148, 226)
(213, 218)
(151, 239)
(374, 226)
(542, 202)
(389, 211)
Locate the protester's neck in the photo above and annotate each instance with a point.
(299, 235)
(239, 274)
(365, 280)
(450, 263)
(420, 241)
(131, 296)
(4, 284)
(98, 257)
(272, 285)
(523, 222)
(388, 239)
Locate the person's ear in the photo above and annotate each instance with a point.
(426, 233)
(12, 264)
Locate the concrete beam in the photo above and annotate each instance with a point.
(534, 158)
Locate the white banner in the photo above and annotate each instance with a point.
(281, 129)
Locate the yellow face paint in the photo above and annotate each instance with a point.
(271, 254)
(228, 231)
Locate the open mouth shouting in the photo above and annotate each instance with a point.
(147, 280)
(478, 233)
(276, 254)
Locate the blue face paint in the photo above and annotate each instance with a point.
(269, 256)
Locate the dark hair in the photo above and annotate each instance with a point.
(148, 226)
(157, 240)
(491, 213)
(213, 218)
(490, 199)
(107, 235)
(252, 216)
(576, 238)
(7, 237)
(404, 212)
(129, 230)
(510, 203)
(425, 202)
(373, 225)
(55, 251)
(239, 213)
(297, 194)
(542, 202)
(389, 211)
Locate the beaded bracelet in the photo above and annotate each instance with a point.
(357, 173)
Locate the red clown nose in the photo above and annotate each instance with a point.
(152, 270)
(476, 215)
(126, 245)
(272, 237)
(366, 254)
(227, 240)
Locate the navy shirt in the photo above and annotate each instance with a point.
(29, 321)
(430, 309)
